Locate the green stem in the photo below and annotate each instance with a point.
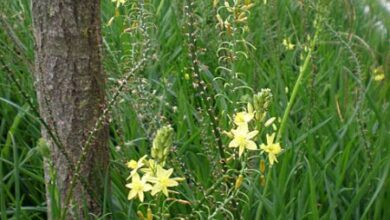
(17, 178)
(2, 193)
(297, 86)
(260, 206)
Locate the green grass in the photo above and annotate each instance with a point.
(336, 159)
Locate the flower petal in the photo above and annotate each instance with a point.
(156, 189)
(147, 187)
(270, 138)
(251, 145)
(252, 134)
(165, 191)
(172, 183)
(241, 150)
(233, 143)
(141, 196)
(169, 172)
(272, 158)
(135, 177)
(248, 117)
(242, 129)
(132, 164)
(132, 194)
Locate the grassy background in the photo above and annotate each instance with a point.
(336, 162)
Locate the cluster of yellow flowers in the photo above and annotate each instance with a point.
(242, 136)
(155, 178)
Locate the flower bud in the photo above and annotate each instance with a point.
(162, 144)
(149, 214)
(239, 180)
(269, 122)
(262, 180)
(261, 103)
(262, 166)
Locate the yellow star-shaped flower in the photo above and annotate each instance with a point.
(242, 118)
(242, 139)
(271, 148)
(135, 165)
(138, 186)
(162, 181)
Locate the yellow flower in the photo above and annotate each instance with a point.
(135, 165)
(379, 73)
(162, 181)
(271, 148)
(151, 168)
(242, 118)
(287, 44)
(119, 2)
(379, 77)
(138, 187)
(242, 139)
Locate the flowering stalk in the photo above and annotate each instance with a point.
(297, 85)
(199, 83)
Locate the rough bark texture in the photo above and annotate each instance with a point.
(70, 89)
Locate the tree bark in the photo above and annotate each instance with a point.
(70, 90)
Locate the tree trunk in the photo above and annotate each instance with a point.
(70, 89)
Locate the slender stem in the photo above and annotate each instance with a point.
(297, 86)
(2, 193)
(260, 206)
(17, 177)
(203, 88)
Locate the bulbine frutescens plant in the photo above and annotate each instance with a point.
(250, 122)
(155, 178)
(152, 174)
